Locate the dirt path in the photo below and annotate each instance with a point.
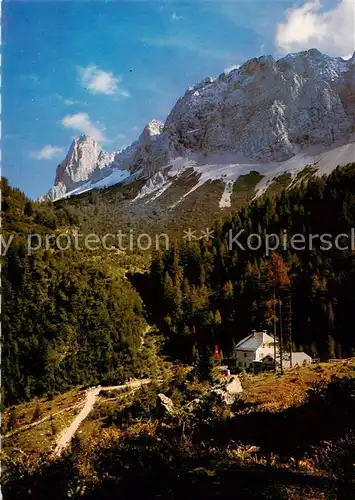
(91, 396)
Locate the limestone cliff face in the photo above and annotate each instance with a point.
(267, 110)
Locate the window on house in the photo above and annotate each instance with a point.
(245, 365)
(245, 354)
(240, 364)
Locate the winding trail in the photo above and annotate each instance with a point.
(91, 396)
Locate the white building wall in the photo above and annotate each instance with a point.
(265, 350)
(244, 358)
(298, 359)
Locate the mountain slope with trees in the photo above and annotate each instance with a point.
(66, 319)
(205, 293)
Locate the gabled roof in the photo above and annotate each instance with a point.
(254, 341)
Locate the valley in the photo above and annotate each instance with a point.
(170, 309)
(125, 362)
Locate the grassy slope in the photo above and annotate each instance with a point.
(269, 391)
(304, 175)
(39, 438)
(279, 184)
(275, 392)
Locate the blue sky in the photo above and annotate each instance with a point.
(107, 68)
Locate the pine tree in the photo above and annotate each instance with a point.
(37, 412)
(205, 366)
(13, 419)
(277, 276)
(54, 428)
(338, 352)
(314, 350)
(331, 347)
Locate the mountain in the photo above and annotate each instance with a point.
(84, 161)
(270, 117)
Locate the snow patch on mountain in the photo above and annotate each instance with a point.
(157, 184)
(226, 169)
(225, 201)
(219, 167)
(323, 162)
(112, 179)
(161, 181)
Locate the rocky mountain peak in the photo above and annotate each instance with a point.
(83, 159)
(80, 161)
(154, 127)
(265, 111)
(150, 132)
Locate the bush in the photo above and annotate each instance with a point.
(144, 406)
(337, 458)
(241, 404)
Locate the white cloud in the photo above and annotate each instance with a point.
(309, 26)
(97, 81)
(31, 78)
(175, 17)
(81, 123)
(47, 152)
(69, 101)
(189, 45)
(231, 68)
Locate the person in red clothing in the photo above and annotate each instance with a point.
(216, 355)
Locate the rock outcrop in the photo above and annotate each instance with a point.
(228, 391)
(164, 404)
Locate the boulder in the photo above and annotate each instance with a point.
(226, 398)
(164, 404)
(229, 390)
(234, 386)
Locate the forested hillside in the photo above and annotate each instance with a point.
(213, 292)
(66, 320)
(69, 319)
